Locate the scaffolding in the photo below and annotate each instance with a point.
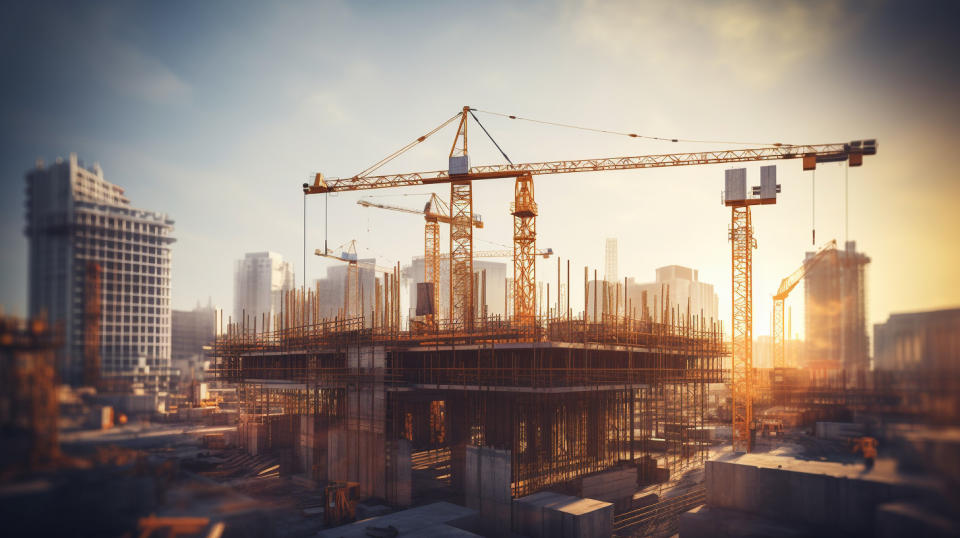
(346, 400)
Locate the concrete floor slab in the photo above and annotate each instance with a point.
(414, 522)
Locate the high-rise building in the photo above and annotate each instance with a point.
(835, 311)
(612, 261)
(75, 220)
(675, 288)
(191, 331)
(259, 280)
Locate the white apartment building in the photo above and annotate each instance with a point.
(259, 280)
(75, 218)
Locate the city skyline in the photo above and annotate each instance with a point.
(232, 180)
(348, 267)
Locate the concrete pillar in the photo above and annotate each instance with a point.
(487, 480)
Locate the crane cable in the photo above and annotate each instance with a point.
(402, 150)
(621, 133)
(846, 201)
(490, 137)
(377, 165)
(813, 209)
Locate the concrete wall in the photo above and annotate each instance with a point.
(312, 448)
(487, 479)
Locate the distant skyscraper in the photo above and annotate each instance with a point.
(676, 287)
(259, 281)
(75, 218)
(332, 291)
(835, 311)
(612, 261)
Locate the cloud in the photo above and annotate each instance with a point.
(132, 73)
(755, 42)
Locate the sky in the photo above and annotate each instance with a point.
(216, 112)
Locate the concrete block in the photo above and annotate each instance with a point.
(587, 518)
(529, 518)
(826, 495)
(549, 514)
(609, 485)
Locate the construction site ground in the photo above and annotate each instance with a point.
(109, 479)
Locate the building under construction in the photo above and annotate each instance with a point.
(28, 401)
(835, 312)
(501, 411)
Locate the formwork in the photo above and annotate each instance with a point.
(559, 398)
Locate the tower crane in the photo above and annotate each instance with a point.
(434, 212)
(460, 176)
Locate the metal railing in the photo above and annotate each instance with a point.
(659, 518)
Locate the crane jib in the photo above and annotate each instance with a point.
(811, 154)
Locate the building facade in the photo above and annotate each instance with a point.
(191, 330)
(835, 311)
(918, 341)
(259, 281)
(496, 284)
(76, 220)
(611, 260)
